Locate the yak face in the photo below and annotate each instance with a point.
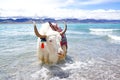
(54, 42)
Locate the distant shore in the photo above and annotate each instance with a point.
(30, 20)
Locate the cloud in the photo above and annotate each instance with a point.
(56, 9)
(104, 14)
(66, 13)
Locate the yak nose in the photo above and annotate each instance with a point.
(61, 54)
(60, 51)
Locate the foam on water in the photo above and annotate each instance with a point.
(114, 37)
(75, 32)
(43, 74)
(102, 32)
(60, 71)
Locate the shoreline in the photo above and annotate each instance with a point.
(60, 22)
(68, 20)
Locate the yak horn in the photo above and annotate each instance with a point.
(37, 33)
(65, 28)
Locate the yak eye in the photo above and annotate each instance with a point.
(50, 40)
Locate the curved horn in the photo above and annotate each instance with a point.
(37, 33)
(65, 28)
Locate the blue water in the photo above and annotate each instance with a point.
(93, 53)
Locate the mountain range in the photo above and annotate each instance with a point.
(42, 20)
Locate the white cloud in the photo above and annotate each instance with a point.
(53, 8)
(66, 13)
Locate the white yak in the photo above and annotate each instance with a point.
(51, 44)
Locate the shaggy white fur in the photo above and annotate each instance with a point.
(52, 51)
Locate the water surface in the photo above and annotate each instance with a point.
(93, 53)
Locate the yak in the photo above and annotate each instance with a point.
(51, 43)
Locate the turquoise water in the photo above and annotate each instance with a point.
(93, 53)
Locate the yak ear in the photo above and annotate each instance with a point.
(65, 28)
(37, 33)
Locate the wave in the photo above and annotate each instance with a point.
(16, 33)
(114, 37)
(100, 33)
(75, 32)
(103, 30)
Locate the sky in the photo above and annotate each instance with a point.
(81, 9)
